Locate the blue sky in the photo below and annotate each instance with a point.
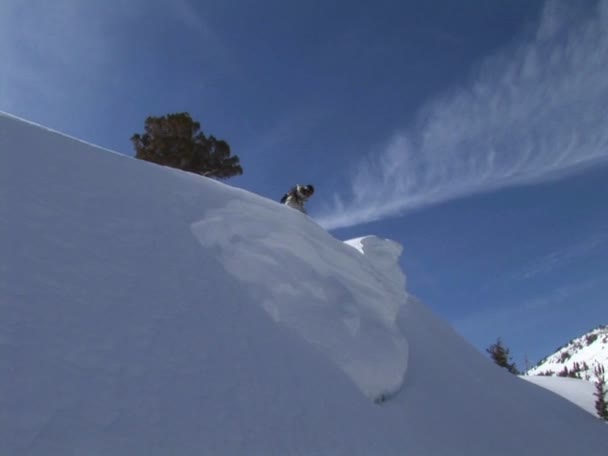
(475, 132)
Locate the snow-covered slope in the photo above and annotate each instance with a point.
(577, 391)
(144, 310)
(578, 357)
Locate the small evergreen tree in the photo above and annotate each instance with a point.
(601, 406)
(175, 140)
(500, 354)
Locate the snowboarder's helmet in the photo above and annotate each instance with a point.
(308, 190)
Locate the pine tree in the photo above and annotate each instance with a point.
(601, 406)
(175, 140)
(500, 354)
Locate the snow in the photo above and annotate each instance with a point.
(144, 310)
(577, 391)
(331, 298)
(589, 350)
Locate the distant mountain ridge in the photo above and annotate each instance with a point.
(578, 358)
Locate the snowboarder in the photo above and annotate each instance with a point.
(297, 196)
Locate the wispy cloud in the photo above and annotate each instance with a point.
(63, 51)
(192, 18)
(559, 258)
(45, 47)
(526, 313)
(533, 112)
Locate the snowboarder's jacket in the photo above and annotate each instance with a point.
(297, 196)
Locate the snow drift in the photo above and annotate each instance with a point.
(144, 310)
